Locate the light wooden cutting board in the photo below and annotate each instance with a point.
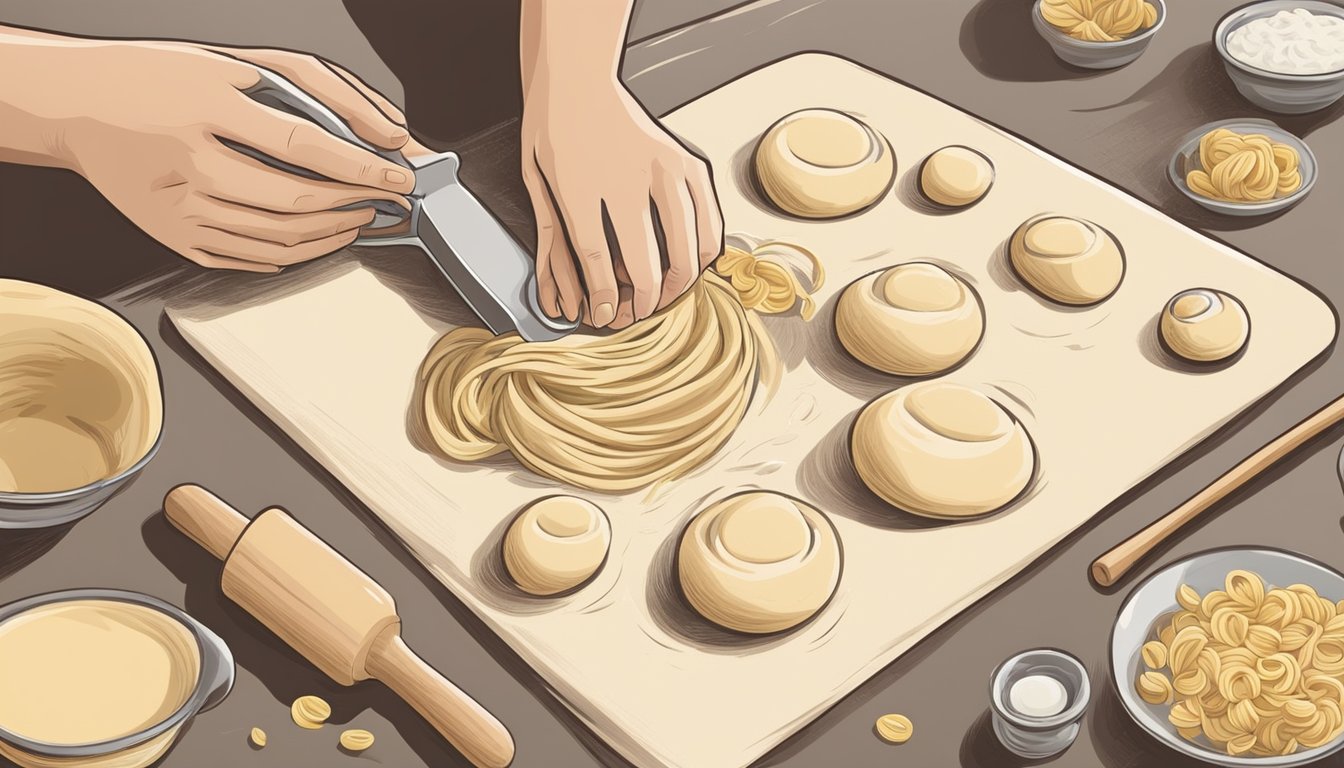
(330, 353)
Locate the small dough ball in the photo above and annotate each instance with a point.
(759, 562)
(1071, 261)
(913, 319)
(556, 544)
(1205, 326)
(820, 164)
(942, 450)
(956, 176)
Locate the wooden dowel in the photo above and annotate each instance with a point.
(1110, 567)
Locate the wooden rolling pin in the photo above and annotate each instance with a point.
(331, 612)
(1110, 567)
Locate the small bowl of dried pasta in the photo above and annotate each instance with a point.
(1098, 34)
(1243, 167)
(1236, 657)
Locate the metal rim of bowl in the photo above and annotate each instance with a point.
(44, 498)
(189, 708)
(1075, 710)
(1191, 749)
(1267, 207)
(1242, 15)
(210, 661)
(1060, 36)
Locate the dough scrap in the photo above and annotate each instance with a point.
(1067, 260)
(913, 319)
(956, 176)
(556, 544)
(942, 450)
(1204, 326)
(759, 562)
(821, 164)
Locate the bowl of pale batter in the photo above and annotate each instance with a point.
(103, 678)
(81, 405)
(1286, 56)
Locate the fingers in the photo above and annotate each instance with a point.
(282, 228)
(708, 216)
(676, 211)
(639, 254)
(233, 246)
(548, 222)
(213, 261)
(242, 180)
(303, 143)
(588, 241)
(379, 100)
(376, 121)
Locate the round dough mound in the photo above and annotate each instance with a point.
(956, 176)
(759, 562)
(942, 450)
(913, 319)
(1068, 260)
(556, 544)
(1205, 326)
(820, 164)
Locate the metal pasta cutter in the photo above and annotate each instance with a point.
(468, 245)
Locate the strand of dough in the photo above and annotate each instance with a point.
(604, 413)
(1244, 168)
(1099, 21)
(768, 286)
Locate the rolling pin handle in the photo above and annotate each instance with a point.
(205, 518)
(477, 734)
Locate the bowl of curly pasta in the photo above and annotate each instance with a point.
(1236, 657)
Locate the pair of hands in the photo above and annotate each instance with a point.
(144, 125)
(143, 122)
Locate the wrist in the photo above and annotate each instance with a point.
(36, 112)
(573, 47)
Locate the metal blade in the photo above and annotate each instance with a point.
(491, 271)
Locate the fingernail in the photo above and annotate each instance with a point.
(394, 176)
(400, 136)
(604, 313)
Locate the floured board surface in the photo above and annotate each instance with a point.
(330, 353)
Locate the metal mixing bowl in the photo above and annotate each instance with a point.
(75, 364)
(1275, 91)
(1088, 55)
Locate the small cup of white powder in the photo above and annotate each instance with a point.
(1038, 698)
(1285, 55)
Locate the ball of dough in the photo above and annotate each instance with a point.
(1071, 261)
(556, 544)
(820, 164)
(942, 450)
(1205, 326)
(759, 562)
(956, 176)
(913, 319)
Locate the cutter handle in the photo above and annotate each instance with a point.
(205, 518)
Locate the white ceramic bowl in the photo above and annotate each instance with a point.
(1275, 91)
(1089, 55)
(1187, 159)
(1155, 598)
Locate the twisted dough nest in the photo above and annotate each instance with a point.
(1099, 21)
(1244, 168)
(604, 413)
(1255, 671)
(768, 286)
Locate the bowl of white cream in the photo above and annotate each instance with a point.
(1285, 56)
(103, 678)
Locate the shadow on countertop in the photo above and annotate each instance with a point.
(999, 40)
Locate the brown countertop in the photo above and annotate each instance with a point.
(981, 55)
